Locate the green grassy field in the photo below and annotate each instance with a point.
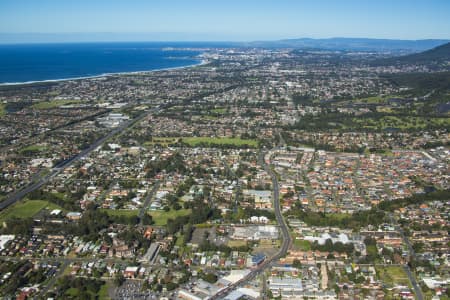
(401, 122)
(338, 216)
(372, 250)
(236, 243)
(163, 141)
(195, 141)
(103, 293)
(74, 293)
(384, 109)
(33, 149)
(53, 104)
(179, 242)
(121, 212)
(160, 217)
(219, 110)
(375, 99)
(203, 141)
(26, 209)
(210, 118)
(2, 109)
(393, 275)
(302, 245)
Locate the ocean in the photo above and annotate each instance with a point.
(40, 62)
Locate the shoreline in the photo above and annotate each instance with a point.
(200, 62)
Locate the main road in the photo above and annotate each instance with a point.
(238, 186)
(18, 195)
(412, 253)
(147, 200)
(277, 208)
(286, 237)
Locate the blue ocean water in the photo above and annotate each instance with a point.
(39, 62)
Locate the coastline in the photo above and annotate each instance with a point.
(200, 62)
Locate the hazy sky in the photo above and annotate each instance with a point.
(229, 19)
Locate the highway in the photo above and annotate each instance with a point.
(286, 238)
(35, 138)
(18, 195)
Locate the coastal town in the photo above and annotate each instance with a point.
(256, 174)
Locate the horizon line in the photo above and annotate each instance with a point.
(86, 37)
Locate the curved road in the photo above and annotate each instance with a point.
(286, 238)
(277, 208)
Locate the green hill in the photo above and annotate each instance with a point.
(437, 56)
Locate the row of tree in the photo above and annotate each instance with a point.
(355, 221)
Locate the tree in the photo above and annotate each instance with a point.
(336, 288)
(147, 219)
(209, 277)
(188, 230)
(19, 226)
(119, 279)
(176, 206)
(96, 273)
(157, 287)
(418, 246)
(296, 263)
(170, 286)
(359, 279)
(370, 241)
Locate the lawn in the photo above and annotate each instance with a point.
(26, 209)
(121, 212)
(2, 109)
(375, 99)
(236, 243)
(53, 104)
(103, 293)
(384, 109)
(180, 238)
(302, 245)
(393, 275)
(33, 149)
(72, 292)
(160, 217)
(402, 122)
(338, 216)
(212, 141)
(372, 250)
(204, 141)
(163, 141)
(219, 110)
(210, 118)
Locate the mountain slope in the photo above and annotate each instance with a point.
(436, 56)
(440, 53)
